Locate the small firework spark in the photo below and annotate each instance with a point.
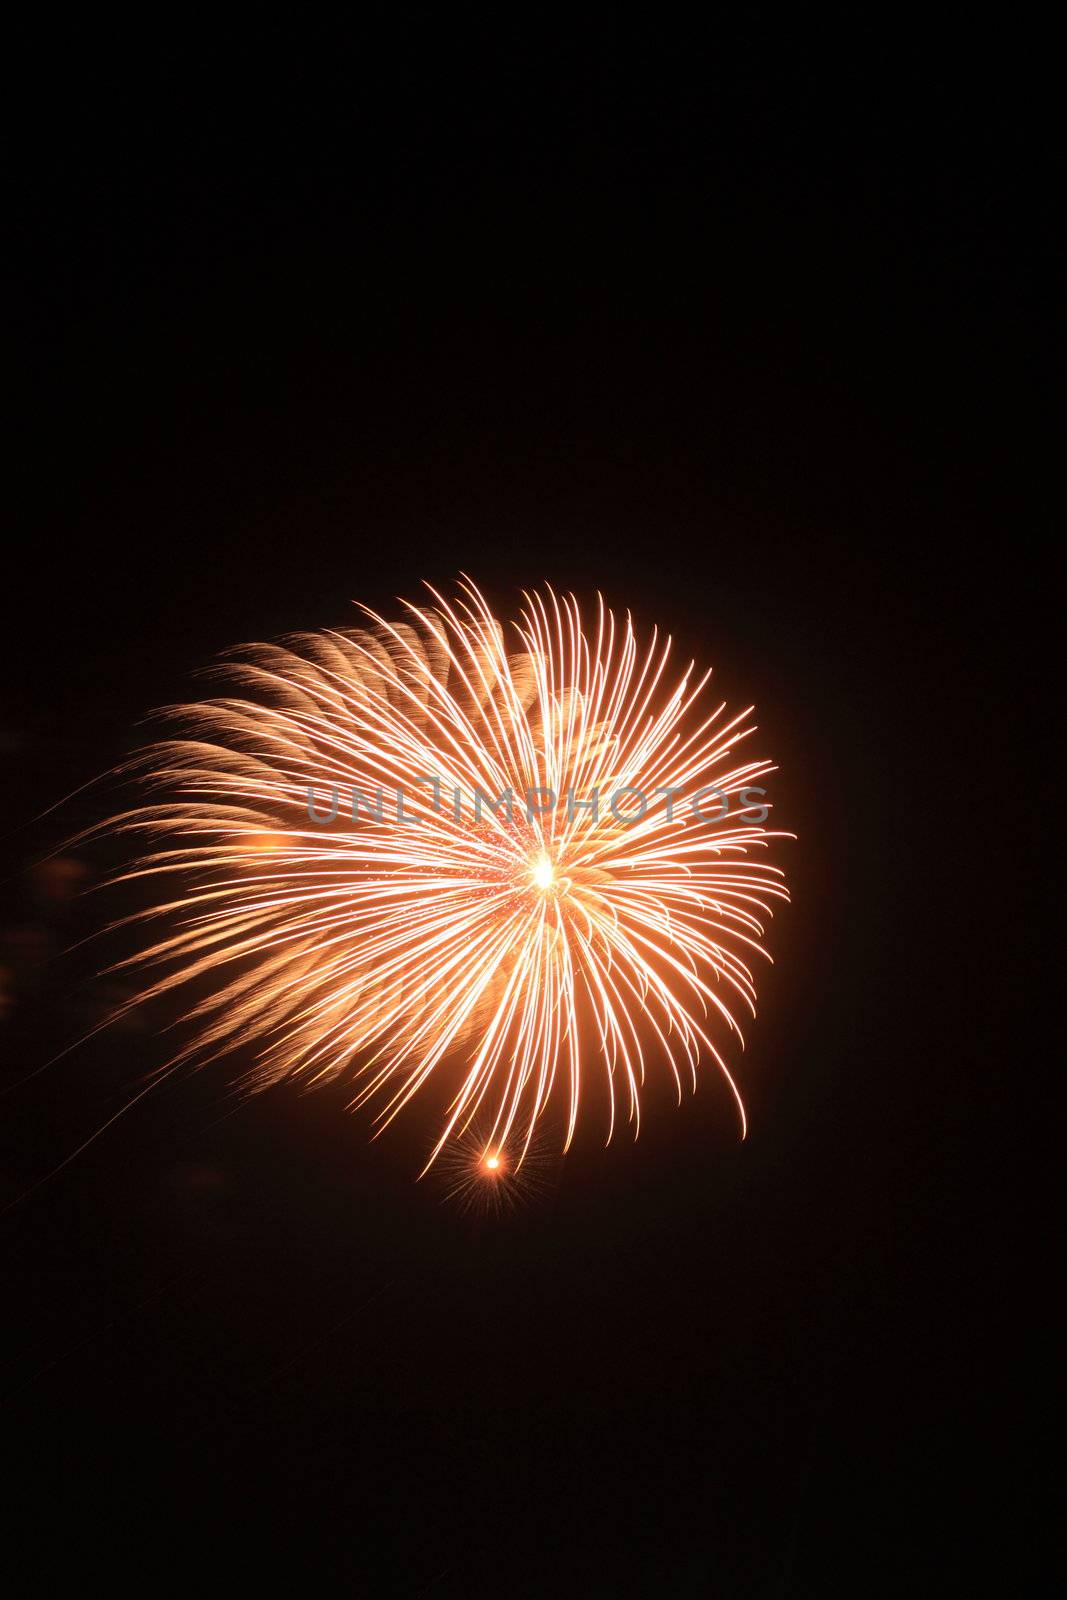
(484, 1179)
(432, 938)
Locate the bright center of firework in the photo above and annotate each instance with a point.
(542, 873)
(492, 1162)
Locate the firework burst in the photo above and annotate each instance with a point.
(443, 858)
(482, 1178)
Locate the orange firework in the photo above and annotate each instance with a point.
(441, 854)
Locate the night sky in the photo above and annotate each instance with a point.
(756, 347)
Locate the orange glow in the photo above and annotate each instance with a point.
(495, 963)
(261, 843)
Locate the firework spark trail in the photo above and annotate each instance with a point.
(530, 943)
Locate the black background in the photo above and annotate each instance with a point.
(754, 343)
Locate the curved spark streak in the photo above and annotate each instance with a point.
(528, 946)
